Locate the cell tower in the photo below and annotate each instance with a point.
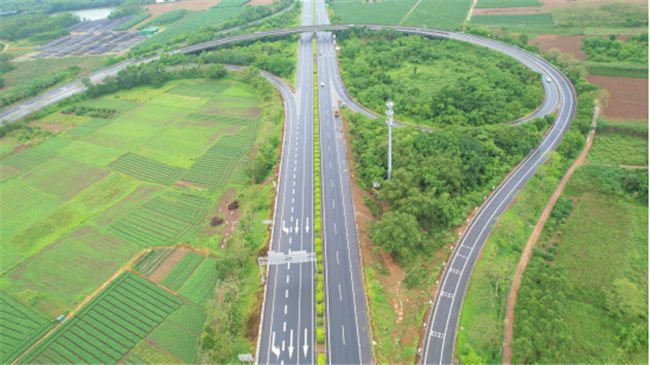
(389, 121)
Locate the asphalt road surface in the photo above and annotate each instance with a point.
(347, 323)
(288, 322)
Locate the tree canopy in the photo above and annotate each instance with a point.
(436, 82)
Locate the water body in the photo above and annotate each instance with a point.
(91, 14)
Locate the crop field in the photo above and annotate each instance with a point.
(175, 279)
(62, 178)
(151, 260)
(25, 159)
(385, 13)
(221, 119)
(176, 340)
(200, 286)
(31, 70)
(20, 328)
(192, 22)
(199, 90)
(233, 106)
(211, 171)
(532, 23)
(439, 14)
(58, 277)
(92, 197)
(189, 317)
(506, 3)
(147, 170)
(188, 138)
(158, 223)
(106, 328)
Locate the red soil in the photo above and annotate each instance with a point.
(628, 97)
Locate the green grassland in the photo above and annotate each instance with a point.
(390, 12)
(597, 262)
(618, 149)
(31, 70)
(439, 14)
(506, 3)
(484, 306)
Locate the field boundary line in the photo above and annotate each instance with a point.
(532, 240)
(413, 8)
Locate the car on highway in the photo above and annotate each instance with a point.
(548, 79)
(322, 84)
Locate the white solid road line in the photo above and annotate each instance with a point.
(285, 309)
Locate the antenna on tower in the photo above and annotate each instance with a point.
(389, 122)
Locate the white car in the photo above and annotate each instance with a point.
(548, 79)
(322, 84)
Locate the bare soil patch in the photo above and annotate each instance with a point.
(565, 43)
(157, 9)
(563, 4)
(168, 265)
(230, 217)
(509, 11)
(259, 2)
(628, 97)
(56, 128)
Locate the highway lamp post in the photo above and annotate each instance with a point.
(389, 122)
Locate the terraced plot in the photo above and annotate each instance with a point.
(159, 223)
(151, 260)
(32, 156)
(147, 170)
(111, 324)
(211, 171)
(89, 127)
(222, 119)
(182, 271)
(19, 328)
(200, 286)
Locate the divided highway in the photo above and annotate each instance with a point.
(348, 340)
(288, 317)
(287, 330)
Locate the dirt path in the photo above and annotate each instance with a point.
(525, 255)
(413, 8)
(634, 166)
(471, 11)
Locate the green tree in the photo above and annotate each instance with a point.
(624, 299)
(216, 71)
(399, 234)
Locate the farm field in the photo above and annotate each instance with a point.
(106, 328)
(439, 14)
(506, 3)
(100, 191)
(216, 15)
(619, 149)
(20, 328)
(628, 97)
(31, 70)
(386, 13)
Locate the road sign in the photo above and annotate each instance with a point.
(267, 222)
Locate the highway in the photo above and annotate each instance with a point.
(288, 323)
(441, 327)
(347, 333)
